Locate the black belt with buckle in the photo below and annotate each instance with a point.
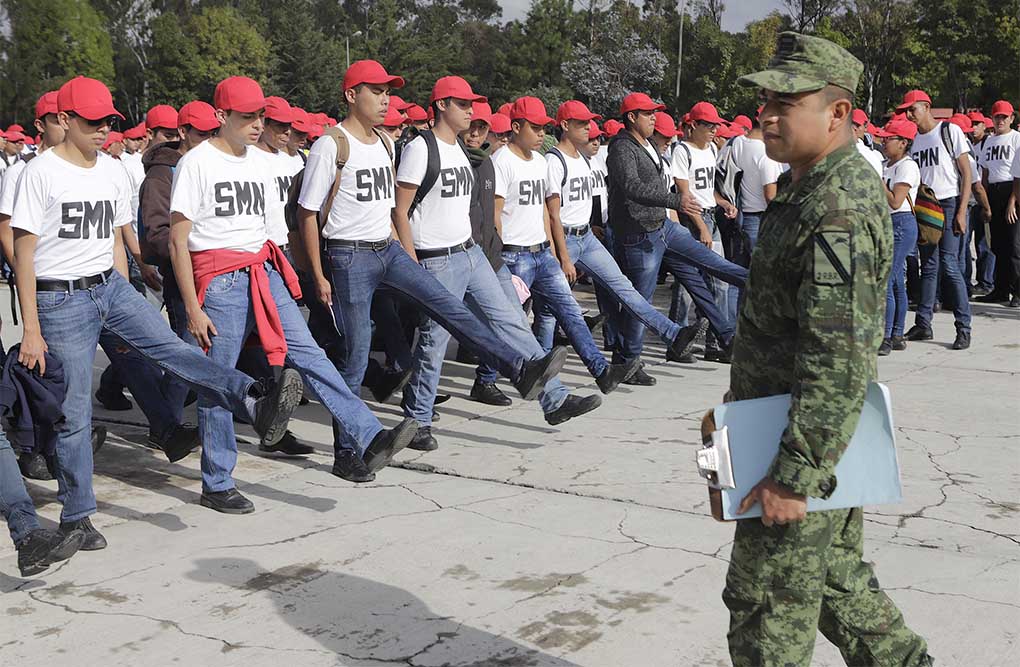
(538, 247)
(429, 253)
(576, 231)
(72, 285)
(358, 245)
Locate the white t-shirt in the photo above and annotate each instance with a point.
(279, 172)
(759, 170)
(871, 155)
(136, 172)
(697, 167)
(8, 186)
(521, 183)
(224, 197)
(443, 218)
(297, 161)
(938, 167)
(361, 210)
(1014, 169)
(997, 155)
(903, 171)
(575, 196)
(73, 210)
(599, 170)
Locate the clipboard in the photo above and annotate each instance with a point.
(741, 439)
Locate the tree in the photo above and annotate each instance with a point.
(805, 15)
(713, 9)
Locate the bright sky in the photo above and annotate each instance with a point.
(737, 15)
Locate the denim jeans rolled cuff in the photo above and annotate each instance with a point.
(904, 238)
(16, 505)
(944, 260)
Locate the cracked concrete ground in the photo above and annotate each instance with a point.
(519, 544)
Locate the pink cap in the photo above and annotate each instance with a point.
(14, 136)
(199, 115)
(639, 102)
(912, 97)
(370, 71)
(575, 110)
(530, 109)
(705, 112)
(88, 98)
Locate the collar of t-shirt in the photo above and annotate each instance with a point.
(575, 192)
(521, 184)
(443, 218)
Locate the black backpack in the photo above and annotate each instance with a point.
(433, 164)
(563, 160)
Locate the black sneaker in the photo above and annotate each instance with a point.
(92, 540)
(1014, 302)
(288, 445)
(228, 502)
(424, 441)
(488, 393)
(688, 358)
(386, 444)
(33, 466)
(614, 374)
(273, 411)
(113, 401)
(537, 372)
(43, 548)
(641, 378)
(441, 398)
(573, 406)
(917, 332)
(98, 438)
(899, 343)
(466, 356)
(348, 465)
(712, 354)
(993, 297)
(390, 383)
(178, 443)
(593, 321)
(885, 349)
(962, 341)
(684, 341)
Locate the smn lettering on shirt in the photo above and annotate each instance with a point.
(240, 198)
(374, 184)
(929, 157)
(580, 188)
(283, 186)
(1002, 152)
(77, 218)
(704, 177)
(531, 193)
(456, 182)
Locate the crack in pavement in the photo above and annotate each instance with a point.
(619, 528)
(955, 595)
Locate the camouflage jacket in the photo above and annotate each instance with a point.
(814, 312)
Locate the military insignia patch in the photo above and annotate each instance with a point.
(833, 263)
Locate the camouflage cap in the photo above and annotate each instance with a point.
(804, 64)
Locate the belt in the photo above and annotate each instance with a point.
(538, 247)
(72, 285)
(358, 245)
(285, 247)
(429, 253)
(576, 231)
(710, 209)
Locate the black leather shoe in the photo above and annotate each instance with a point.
(917, 332)
(113, 401)
(33, 466)
(885, 349)
(899, 343)
(390, 383)
(92, 539)
(641, 378)
(962, 341)
(489, 393)
(684, 341)
(181, 441)
(614, 374)
(573, 406)
(593, 321)
(993, 297)
(43, 548)
(442, 398)
(466, 356)
(98, 438)
(273, 411)
(348, 465)
(228, 502)
(537, 372)
(386, 444)
(424, 441)
(1014, 302)
(288, 445)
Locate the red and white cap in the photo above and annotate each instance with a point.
(46, 104)
(370, 71)
(455, 87)
(639, 102)
(239, 93)
(279, 109)
(88, 98)
(705, 112)
(1002, 108)
(161, 115)
(575, 110)
(530, 109)
(912, 97)
(199, 115)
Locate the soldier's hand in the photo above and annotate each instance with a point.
(778, 503)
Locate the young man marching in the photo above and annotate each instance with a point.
(233, 279)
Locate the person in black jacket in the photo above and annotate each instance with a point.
(643, 234)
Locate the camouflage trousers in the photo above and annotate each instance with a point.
(786, 582)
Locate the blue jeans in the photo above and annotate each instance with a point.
(981, 268)
(144, 380)
(588, 253)
(486, 372)
(71, 324)
(174, 391)
(542, 274)
(16, 506)
(640, 256)
(469, 276)
(609, 305)
(228, 305)
(904, 227)
(749, 224)
(947, 261)
(720, 290)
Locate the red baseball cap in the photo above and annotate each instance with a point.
(1002, 108)
(612, 127)
(705, 112)
(430, 115)
(899, 116)
(530, 109)
(455, 87)
(199, 115)
(46, 104)
(481, 111)
(726, 130)
(30, 141)
(505, 109)
(330, 120)
(279, 109)
(369, 71)
(112, 138)
(161, 115)
(664, 124)
(912, 97)
(743, 121)
(14, 127)
(962, 122)
(898, 128)
(136, 132)
(858, 117)
(302, 120)
(14, 136)
(639, 102)
(575, 110)
(976, 117)
(500, 123)
(416, 114)
(239, 93)
(88, 98)
(594, 132)
(316, 131)
(398, 103)
(393, 118)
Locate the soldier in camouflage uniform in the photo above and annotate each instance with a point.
(811, 325)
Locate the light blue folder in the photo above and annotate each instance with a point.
(747, 440)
